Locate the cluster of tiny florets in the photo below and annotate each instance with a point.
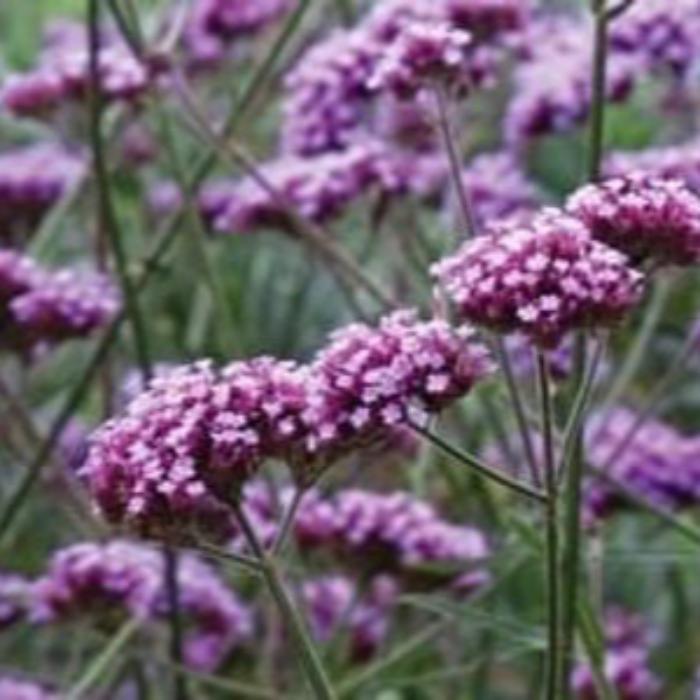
(423, 55)
(366, 531)
(16, 689)
(32, 179)
(214, 24)
(41, 307)
(125, 579)
(663, 34)
(333, 604)
(541, 279)
(678, 162)
(657, 463)
(646, 218)
(62, 77)
(628, 645)
(197, 431)
(372, 378)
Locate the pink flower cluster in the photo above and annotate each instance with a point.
(542, 279)
(678, 162)
(424, 55)
(15, 689)
(120, 577)
(332, 603)
(41, 307)
(549, 101)
(197, 430)
(658, 463)
(629, 643)
(213, 24)
(663, 34)
(646, 218)
(32, 179)
(62, 76)
(14, 594)
(370, 532)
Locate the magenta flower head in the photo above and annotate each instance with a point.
(424, 54)
(142, 467)
(65, 304)
(18, 274)
(368, 380)
(14, 596)
(106, 582)
(488, 18)
(543, 279)
(15, 689)
(648, 219)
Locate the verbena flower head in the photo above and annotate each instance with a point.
(32, 179)
(65, 304)
(370, 379)
(626, 664)
(678, 162)
(142, 467)
(119, 579)
(325, 93)
(18, 275)
(663, 34)
(543, 279)
(214, 24)
(646, 218)
(488, 18)
(328, 601)
(319, 188)
(658, 463)
(62, 76)
(424, 54)
(16, 689)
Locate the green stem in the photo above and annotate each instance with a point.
(466, 211)
(288, 520)
(553, 585)
(311, 661)
(480, 467)
(172, 594)
(600, 60)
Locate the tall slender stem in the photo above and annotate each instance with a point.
(311, 661)
(466, 211)
(573, 478)
(553, 584)
(172, 592)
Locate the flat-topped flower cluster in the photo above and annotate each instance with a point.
(40, 307)
(199, 430)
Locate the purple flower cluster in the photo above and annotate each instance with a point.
(498, 188)
(32, 179)
(374, 532)
(549, 101)
(319, 188)
(488, 18)
(213, 24)
(62, 76)
(333, 601)
(658, 462)
(679, 162)
(542, 279)
(424, 55)
(197, 430)
(15, 689)
(41, 307)
(370, 379)
(127, 579)
(324, 105)
(646, 218)
(629, 641)
(662, 34)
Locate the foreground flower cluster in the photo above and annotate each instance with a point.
(200, 431)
